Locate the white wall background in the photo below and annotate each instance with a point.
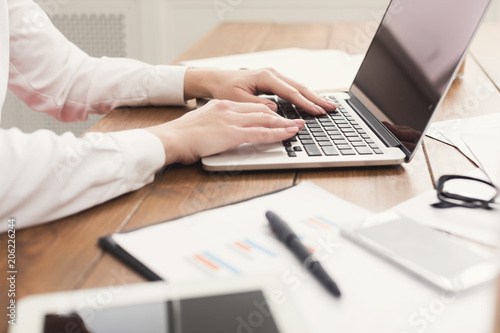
(158, 31)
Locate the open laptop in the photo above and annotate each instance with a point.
(403, 79)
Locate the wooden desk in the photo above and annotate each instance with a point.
(64, 255)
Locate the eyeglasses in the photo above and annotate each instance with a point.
(462, 191)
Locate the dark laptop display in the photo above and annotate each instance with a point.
(411, 61)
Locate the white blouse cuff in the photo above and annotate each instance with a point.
(166, 86)
(143, 154)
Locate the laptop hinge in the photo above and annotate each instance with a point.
(377, 127)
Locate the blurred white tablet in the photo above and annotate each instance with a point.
(429, 254)
(236, 305)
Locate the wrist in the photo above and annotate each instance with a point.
(198, 83)
(169, 142)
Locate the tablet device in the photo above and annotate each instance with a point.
(427, 253)
(237, 305)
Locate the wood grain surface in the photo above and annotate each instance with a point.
(64, 255)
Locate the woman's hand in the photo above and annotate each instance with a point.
(219, 126)
(244, 85)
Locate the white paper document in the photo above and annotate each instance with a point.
(332, 70)
(376, 296)
(467, 134)
(479, 225)
(486, 149)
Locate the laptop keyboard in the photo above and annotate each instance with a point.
(333, 134)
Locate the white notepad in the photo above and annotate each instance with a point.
(336, 67)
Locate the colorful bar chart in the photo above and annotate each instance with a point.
(319, 222)
(212, 263)
(251, 249)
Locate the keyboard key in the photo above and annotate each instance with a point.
(319, 134)
(344, 126)
(311, 121)
(352, 135)
(378, 151)
(289, 149)
(330, 151)
(355, 139)
(358, 144)
(292, 154)
(305, 137)
(325, 143)
(297, 148)
(307, 142)
(336, 137)
(364, 151)
(340, 142)
(343, 147)
(365, 136)
(330, 127)
(317, 130)
(315, 125)
(333, 132)
(322, 139)
(303, 132)
(373, 146)
(347, 130)
(287, 143)
(312, 150)
(348, 152)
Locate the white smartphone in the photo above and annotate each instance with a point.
(235, 305)
(430, 254)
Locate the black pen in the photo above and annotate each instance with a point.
(290, 239)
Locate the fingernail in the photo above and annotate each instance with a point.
(292, 129)
(331, 103)
(272, 106)
(299, 122)
(319, 109)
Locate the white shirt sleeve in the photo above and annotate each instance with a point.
(52, 75)
(44, 176)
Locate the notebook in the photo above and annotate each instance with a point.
(402, 81)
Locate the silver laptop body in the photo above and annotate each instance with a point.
(404, 77)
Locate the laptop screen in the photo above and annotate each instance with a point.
(412, 59)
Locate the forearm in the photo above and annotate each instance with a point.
(198, 83)
(52, 75)
(47, 177)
